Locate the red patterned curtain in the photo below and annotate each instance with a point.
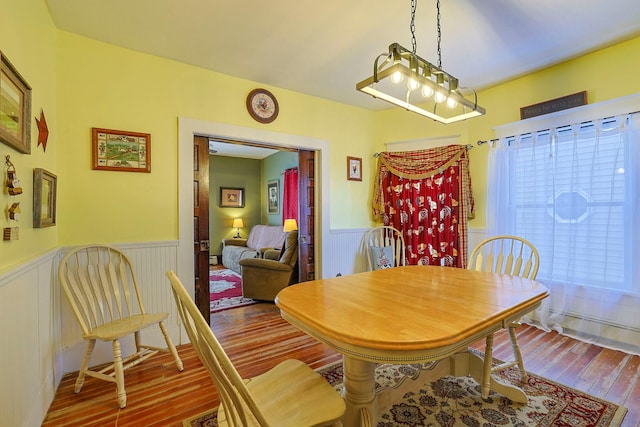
(290, 195)
(427, 195)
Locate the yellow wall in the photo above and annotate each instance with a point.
(604, 74)
(105, 86)
(81, 83)
(27, 39)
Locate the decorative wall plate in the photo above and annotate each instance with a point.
(262, 105)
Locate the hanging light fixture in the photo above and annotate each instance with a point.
(404, 79)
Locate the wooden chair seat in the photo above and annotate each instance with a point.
(123, 327)
(289, 394)
(300, 399)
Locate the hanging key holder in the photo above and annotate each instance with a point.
(13, 183)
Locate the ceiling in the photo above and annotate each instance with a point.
(323, 48)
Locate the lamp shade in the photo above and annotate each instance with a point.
(290, 225)
(237, 223)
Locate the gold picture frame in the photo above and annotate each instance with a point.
(354, 168)
(119, 150)
(231, 197)
(45, 186)
(15, 108)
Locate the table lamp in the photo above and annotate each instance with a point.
(289, 225)
(238, 224)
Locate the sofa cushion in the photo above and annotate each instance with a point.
(266, 236)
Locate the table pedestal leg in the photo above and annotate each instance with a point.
(468, 363)
(359, 392)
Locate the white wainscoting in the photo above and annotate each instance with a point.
(40, 337)
(346, 251)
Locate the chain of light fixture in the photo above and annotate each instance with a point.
(439, 33)
(412, 26)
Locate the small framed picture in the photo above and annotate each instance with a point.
(15, 108)
(119, 150)
(231, 197)
(273, 197)
(354, 168)
(44, 198)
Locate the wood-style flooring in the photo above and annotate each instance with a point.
(256, 338)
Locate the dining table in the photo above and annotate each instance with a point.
(406, 315)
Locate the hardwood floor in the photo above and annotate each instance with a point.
(256, 338)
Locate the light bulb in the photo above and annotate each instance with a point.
(397, 77)
(439, 97)
(451, 103)
(427, 91)
(412, 84)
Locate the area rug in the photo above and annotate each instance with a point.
(225, 289)
(456, 401)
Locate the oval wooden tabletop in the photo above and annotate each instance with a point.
(408, 308)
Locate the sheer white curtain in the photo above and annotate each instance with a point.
(572, 191)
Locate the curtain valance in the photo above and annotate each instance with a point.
(422, 164)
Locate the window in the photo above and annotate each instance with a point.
(570, 194)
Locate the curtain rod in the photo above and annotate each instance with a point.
(469, 146)
(480, 142)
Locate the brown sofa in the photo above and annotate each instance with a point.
(261, 238)
(263, 278)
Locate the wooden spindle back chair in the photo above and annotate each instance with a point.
(289, 394)
(101, 287)
(514, 256)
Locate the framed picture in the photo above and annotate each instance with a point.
(273, 197)
(15, 108)
(44, 198)
(119, 150)
(354, 168)
(231, 197)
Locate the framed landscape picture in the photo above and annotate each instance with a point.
(15, 108)
(118, 150)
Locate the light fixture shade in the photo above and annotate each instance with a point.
(289, 225)
(238, 223)
(431, 78)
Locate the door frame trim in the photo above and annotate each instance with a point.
(187, 128)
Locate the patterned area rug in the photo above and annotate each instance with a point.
(225, 288)
(457, 401)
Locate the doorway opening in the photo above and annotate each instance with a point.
(188, 127)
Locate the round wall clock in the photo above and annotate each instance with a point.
(262, 105)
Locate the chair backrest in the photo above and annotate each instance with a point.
(100, 284)
(239, 406)
(289, 254)
(384, 247)
(506, 255)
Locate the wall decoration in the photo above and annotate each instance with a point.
(118, 150)
(273, 197)
(231, 197)
(43, 131)
(13, 183)
(15, 108)
(262, 105)
(13, 210)
(558, 104)
(44, 198)
(354, 168)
